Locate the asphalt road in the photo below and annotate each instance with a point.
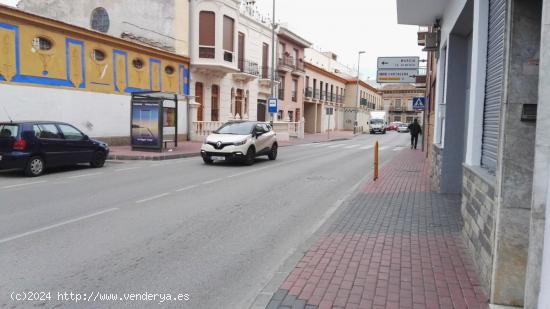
(216, 233)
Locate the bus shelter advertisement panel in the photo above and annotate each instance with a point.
(145, 125)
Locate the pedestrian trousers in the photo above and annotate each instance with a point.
(414, 141)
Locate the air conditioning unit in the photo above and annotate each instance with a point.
(422, 38)
(431, 41)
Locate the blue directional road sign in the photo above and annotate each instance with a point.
(419, 103)
(272, 105)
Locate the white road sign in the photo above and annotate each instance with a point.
(398, 62)
(396, 76)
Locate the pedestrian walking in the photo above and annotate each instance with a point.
(415, 130)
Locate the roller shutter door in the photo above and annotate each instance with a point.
(494, 83)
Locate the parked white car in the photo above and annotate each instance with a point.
(240, 141)
(403, 128)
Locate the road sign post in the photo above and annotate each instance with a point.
(419, 103)
(272, 108)
(397, 69)
(398, 63)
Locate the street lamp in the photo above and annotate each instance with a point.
(273, 27)
(357, 93)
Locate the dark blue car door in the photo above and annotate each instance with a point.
(79, 148)
(51, 143)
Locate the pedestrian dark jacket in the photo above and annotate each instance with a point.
(415, 129)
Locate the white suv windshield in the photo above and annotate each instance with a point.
(237, 128)
(377, 121)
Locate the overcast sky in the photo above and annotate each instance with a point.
(345, 27)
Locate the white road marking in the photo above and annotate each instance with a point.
(336, 146)
(23, 184)
(187, 188)
(84, 175)
(49, 227)
(319, 145)
(384, 148)
(352, 146)
(211, 181)
(152, 198)
(367, 147)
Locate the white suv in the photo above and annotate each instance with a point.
(240, 141)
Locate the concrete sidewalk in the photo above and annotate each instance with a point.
(187, 149)
(396, 244)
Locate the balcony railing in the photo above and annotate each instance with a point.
(363, 102)
(308, 92)
(287, 61)
(249, 67)
(299, 66)
(317, 94)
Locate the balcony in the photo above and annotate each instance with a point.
(299, 68)
(363, 102)
(209, 62)
(286, 64)
(265, 80)
(308, 92)
(249, 70)
(316, 94)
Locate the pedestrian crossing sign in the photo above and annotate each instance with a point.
(419, 103)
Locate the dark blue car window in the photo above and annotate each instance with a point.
(48, 131)
(71, 133)
(8, 130)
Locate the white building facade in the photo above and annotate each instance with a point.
(490, 141)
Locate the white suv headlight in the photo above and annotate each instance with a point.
(241, 142)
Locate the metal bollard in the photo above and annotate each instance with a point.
(376, 161)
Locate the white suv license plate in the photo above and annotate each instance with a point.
(217, 158)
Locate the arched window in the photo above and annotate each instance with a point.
(215, 110)
(99, 20)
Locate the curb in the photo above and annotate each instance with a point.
(155, 158)
(192, 155)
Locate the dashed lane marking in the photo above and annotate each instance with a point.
(49, 227)
(23, 184)
(152, 198)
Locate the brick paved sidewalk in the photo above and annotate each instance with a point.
(395, 245)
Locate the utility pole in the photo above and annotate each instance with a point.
(273, 26)
(357, 103)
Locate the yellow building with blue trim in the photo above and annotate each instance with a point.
(50, 70)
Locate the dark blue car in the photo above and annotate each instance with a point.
(33, 146)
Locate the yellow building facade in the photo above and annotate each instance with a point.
(46, 53)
